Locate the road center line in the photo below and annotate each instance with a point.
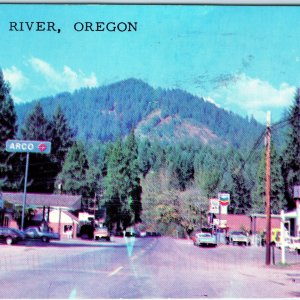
(115, 271)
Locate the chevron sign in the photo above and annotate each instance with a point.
(224, 198)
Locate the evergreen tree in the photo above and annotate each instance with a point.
(122, 184)
(234, 181)
(181, 165)
(157, 156)
(277, 197)
(240, 197)
(94, 188)
(61, 141)
(73, 176)
(115, 193)
(144, 157)
(132, 175)
(291, 156)
(8, 130)
(36, 127)
(62, 137)
(207, 171)
(41, 175)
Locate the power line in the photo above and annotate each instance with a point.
(255, 146)
(276, 126)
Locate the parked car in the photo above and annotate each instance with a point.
(101, 232)
(86, 231)
(205, 238)
(194, 235)
(11, 235)
(294, 244)
(36, 234)
(143, 233)
(239, 237)
(153, 233)
(118, 233)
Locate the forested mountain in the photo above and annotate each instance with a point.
(107, 112)
(149, 154)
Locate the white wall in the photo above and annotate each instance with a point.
(54, 217)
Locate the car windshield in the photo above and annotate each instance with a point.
(237, 233)
(205, 234)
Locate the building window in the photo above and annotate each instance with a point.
(68, 230)
(6, 221)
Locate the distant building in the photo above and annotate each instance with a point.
(55, 209)
(253, 223)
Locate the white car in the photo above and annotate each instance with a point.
(294, 244)
(205, 238)
(239, 237)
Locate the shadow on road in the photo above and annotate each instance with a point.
(207, 246)
(76, 243)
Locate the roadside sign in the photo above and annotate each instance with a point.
(296, 191)
(220, 223)
(28, 146)
(214, 206)
(224, 198)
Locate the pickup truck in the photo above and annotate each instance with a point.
(239, 237)
(36, 234)
(101, 233)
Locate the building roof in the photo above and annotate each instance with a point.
(264, 216)
(290, 214)
(38, 216)
(40, 200)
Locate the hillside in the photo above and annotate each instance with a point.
(106, 112)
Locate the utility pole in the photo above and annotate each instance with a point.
(268, 189)
(282, 236)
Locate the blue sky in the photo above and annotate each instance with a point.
(243, 58)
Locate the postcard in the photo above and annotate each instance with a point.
(149, 150)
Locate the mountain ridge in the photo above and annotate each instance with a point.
(106, 112)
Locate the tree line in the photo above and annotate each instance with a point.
(166, 186)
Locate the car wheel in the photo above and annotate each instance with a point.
(45, 239)
(298, 251)
(9, 240)
(108, 238)
(97, 238)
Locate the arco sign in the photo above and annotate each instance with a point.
(28, 146)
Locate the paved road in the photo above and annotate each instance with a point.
(142, 268)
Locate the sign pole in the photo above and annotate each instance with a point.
(25, 188)
(21, 146)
